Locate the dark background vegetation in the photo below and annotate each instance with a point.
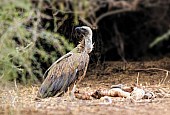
(34, 33)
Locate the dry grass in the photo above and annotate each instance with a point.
(18, 99)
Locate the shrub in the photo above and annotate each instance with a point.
(25, 46)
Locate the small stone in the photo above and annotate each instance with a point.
(106, 99)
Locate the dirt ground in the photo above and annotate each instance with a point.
(16, 99)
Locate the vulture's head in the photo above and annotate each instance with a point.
(86, 33)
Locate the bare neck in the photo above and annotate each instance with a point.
(88, 44)
(85, 45)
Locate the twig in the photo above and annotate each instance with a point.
(165, 77)
(137, 80)
(111, 13)
(86, 22)
(148, 69)
(15, 83)
(67, 12)
(159, 69)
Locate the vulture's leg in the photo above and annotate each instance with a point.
(72, 96)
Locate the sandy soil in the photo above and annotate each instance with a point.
(16, 99)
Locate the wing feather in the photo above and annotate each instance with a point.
(60, 59)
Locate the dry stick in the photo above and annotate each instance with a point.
(152, 69)
(87, 23)
(72, 12)
(159, 69)
(165, 77)
(163, 98)
(131, 7)
(15, 83)
(137, 79)
(110, 13)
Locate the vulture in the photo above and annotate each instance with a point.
(69, 69)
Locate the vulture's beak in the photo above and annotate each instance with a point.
(78, 29)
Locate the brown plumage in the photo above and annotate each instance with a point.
(69, 69)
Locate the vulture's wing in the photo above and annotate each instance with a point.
(61, 58)
(62, 74)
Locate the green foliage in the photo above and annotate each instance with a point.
(23, 43)
(165, 36)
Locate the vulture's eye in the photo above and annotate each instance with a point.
(83, 29)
